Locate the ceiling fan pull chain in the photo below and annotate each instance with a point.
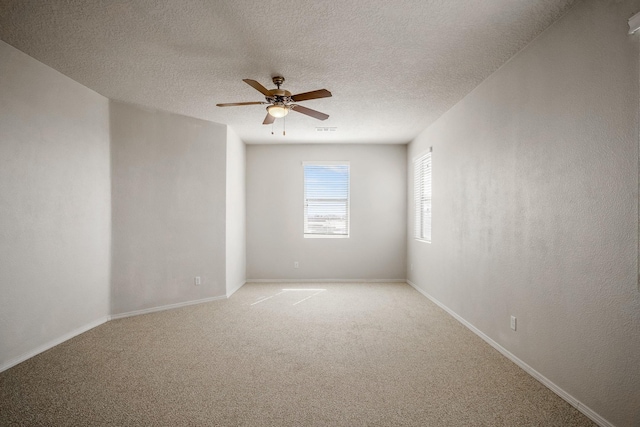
(284, 125)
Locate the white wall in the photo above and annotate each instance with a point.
(535, 177)
(54, 207)
(168, 197)
(376, 247)
(236, 236)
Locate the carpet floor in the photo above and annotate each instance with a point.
(348, 354)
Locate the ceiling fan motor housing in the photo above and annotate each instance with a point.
(280, 93)
(279, 96)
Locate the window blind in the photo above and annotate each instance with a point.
(422, 197)
(326, 199)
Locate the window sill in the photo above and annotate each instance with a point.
(326, 236)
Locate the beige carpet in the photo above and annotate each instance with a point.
(366, 354)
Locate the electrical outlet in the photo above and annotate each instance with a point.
(295, 264)
(513, 322)
(411, 266)
(197, 281)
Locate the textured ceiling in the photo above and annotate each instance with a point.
(393, 66)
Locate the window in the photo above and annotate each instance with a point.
(422, 197)
(326, 199)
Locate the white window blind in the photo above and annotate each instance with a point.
(422, 197)
(326, 199)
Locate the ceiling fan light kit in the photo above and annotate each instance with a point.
(281, 101)
(278, 111)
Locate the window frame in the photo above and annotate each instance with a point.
(348, 200)
(422, 165)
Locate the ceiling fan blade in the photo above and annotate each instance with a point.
(314, 94)
(309, 112)
(257, 86)
(269, 119)
(235, 104)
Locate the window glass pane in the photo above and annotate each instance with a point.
(326, 199)
(422, 197)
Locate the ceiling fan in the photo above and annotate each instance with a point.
(280, 101)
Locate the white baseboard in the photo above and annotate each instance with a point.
(326, 281)
(13, 362)
(595, 417)
(236, 289)
(165, 307)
